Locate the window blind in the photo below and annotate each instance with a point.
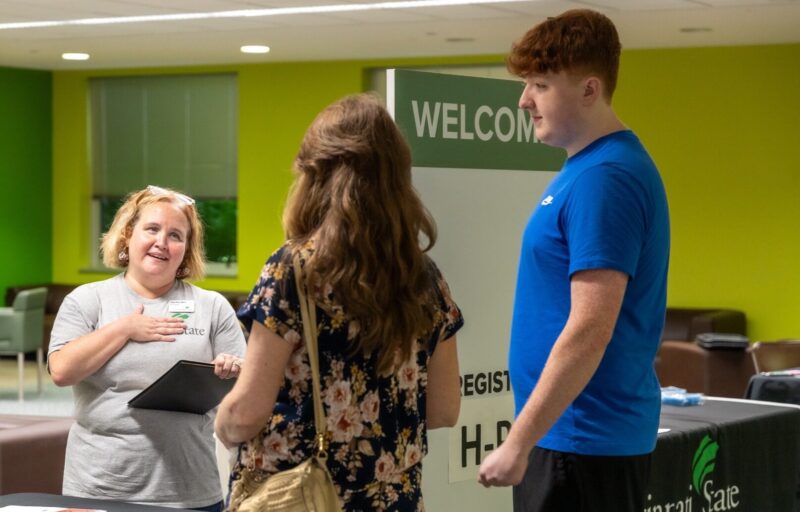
(173, 131)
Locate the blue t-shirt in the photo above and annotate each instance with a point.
(606, 209)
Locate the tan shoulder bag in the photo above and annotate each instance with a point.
(307, 487)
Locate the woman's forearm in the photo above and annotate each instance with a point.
(246, 409)
(83, 356)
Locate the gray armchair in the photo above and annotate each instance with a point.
(21, 329)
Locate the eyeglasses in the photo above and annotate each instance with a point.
(158, 191)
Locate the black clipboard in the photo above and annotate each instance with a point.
(189, 386)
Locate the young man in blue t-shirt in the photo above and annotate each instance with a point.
(591, 287)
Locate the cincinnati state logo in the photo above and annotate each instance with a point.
(713, 497)
(704, 494)
(704, 462)
(194, 331)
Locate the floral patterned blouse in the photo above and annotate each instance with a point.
(376, 424)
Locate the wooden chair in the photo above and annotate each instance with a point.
(775, 355)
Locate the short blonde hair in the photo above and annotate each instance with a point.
(115, 240)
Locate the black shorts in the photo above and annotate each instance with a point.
(568, 482)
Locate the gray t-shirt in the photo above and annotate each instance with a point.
(141, 455)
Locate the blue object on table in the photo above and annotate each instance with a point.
(672, 395)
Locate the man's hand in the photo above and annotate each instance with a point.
(505, 466)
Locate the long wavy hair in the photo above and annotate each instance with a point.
(353, 197)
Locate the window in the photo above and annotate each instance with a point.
(173, 131)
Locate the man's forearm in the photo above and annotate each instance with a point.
(574, 359)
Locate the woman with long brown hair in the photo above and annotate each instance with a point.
(385, 319)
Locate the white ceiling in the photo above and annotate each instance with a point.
(429, 31)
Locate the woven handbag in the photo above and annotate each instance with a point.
(307, 487)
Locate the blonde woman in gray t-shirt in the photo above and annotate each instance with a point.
(112, 338)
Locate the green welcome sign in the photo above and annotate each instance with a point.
(467, 123)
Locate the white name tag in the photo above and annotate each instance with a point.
(181, 306)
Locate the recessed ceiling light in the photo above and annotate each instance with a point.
(254, 48)
(75, 56)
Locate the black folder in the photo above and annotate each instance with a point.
(189, 386)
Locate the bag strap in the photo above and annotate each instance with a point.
(308, 312)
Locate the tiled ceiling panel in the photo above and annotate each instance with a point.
(427, 31)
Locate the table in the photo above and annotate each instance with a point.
(727, 455)
(774, 388)
(54, 500)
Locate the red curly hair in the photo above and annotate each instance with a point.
(579, 41)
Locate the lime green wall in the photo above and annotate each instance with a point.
(276, 104)
(25, 163)
(720, 123)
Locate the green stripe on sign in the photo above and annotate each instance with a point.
(468, 123)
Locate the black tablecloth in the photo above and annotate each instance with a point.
(54, 500)
(727, 455)
(724, 455)
(774, 388)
